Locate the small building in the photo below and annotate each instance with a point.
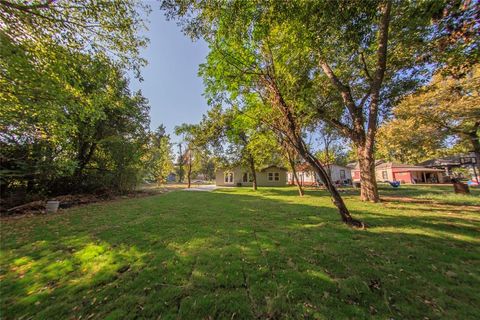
(307, 176)
(271, 176)
(172, 177)
(405, 173)
(452, 165)
(445, 163)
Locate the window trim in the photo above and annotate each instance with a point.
(249, 176)
(384, 175)
(343, 174)
(227, 175)
(274, 176)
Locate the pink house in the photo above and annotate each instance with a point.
(405, 173)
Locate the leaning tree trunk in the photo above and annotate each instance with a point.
(322, 173)
(291, 133)
(368, 181)
(295, 176)
(336, 198)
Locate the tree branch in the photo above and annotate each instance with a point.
(381, 66)
(26, 8)
(355, 112)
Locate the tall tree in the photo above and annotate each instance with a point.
(91, 137)
(249, 63)
(160, 163)
(180, 163)
(191, 156)
(332, 148)
(446, 107)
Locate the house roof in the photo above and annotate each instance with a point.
(351, 165)
(307, 167)
(357, 165)
(400, 167)
(273, 166)
(421, 169)
(227, 168)
(445, 161)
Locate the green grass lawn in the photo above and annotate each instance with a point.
(239, 254)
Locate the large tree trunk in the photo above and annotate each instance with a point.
(368, 181)
(252, 170)
(362, 132)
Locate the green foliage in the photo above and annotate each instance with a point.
(159, 162)
(70, 144)
(345, 62)
(86, 26)
(333, 148)
(441, 118)
(68, 121)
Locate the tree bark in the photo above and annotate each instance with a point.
(368, 182)
(361, 132)
(294, 173)
(293, 137)
(180, 164)
(84, 157)
(474, 138)
(189, 172)
(336, 198)
(252, 170)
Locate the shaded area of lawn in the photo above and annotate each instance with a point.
(236, 254)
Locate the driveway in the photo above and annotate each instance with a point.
(202, 187)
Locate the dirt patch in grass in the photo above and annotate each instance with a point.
(72, 200)
(405, 199)
(432, 203)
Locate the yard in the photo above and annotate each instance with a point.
(239, 254)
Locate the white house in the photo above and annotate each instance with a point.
(307, 177)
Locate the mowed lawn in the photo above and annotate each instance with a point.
(239, 254)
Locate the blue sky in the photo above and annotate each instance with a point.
(170, 81)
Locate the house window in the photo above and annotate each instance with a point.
(342, 174)
(228, 177)
(384, 175)
(247, 177)
(273, 176)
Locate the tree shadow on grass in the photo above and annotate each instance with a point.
(257, 255)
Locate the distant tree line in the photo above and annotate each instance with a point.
(68, 120)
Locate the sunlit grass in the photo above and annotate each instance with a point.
(472, 199)
(239, 254)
